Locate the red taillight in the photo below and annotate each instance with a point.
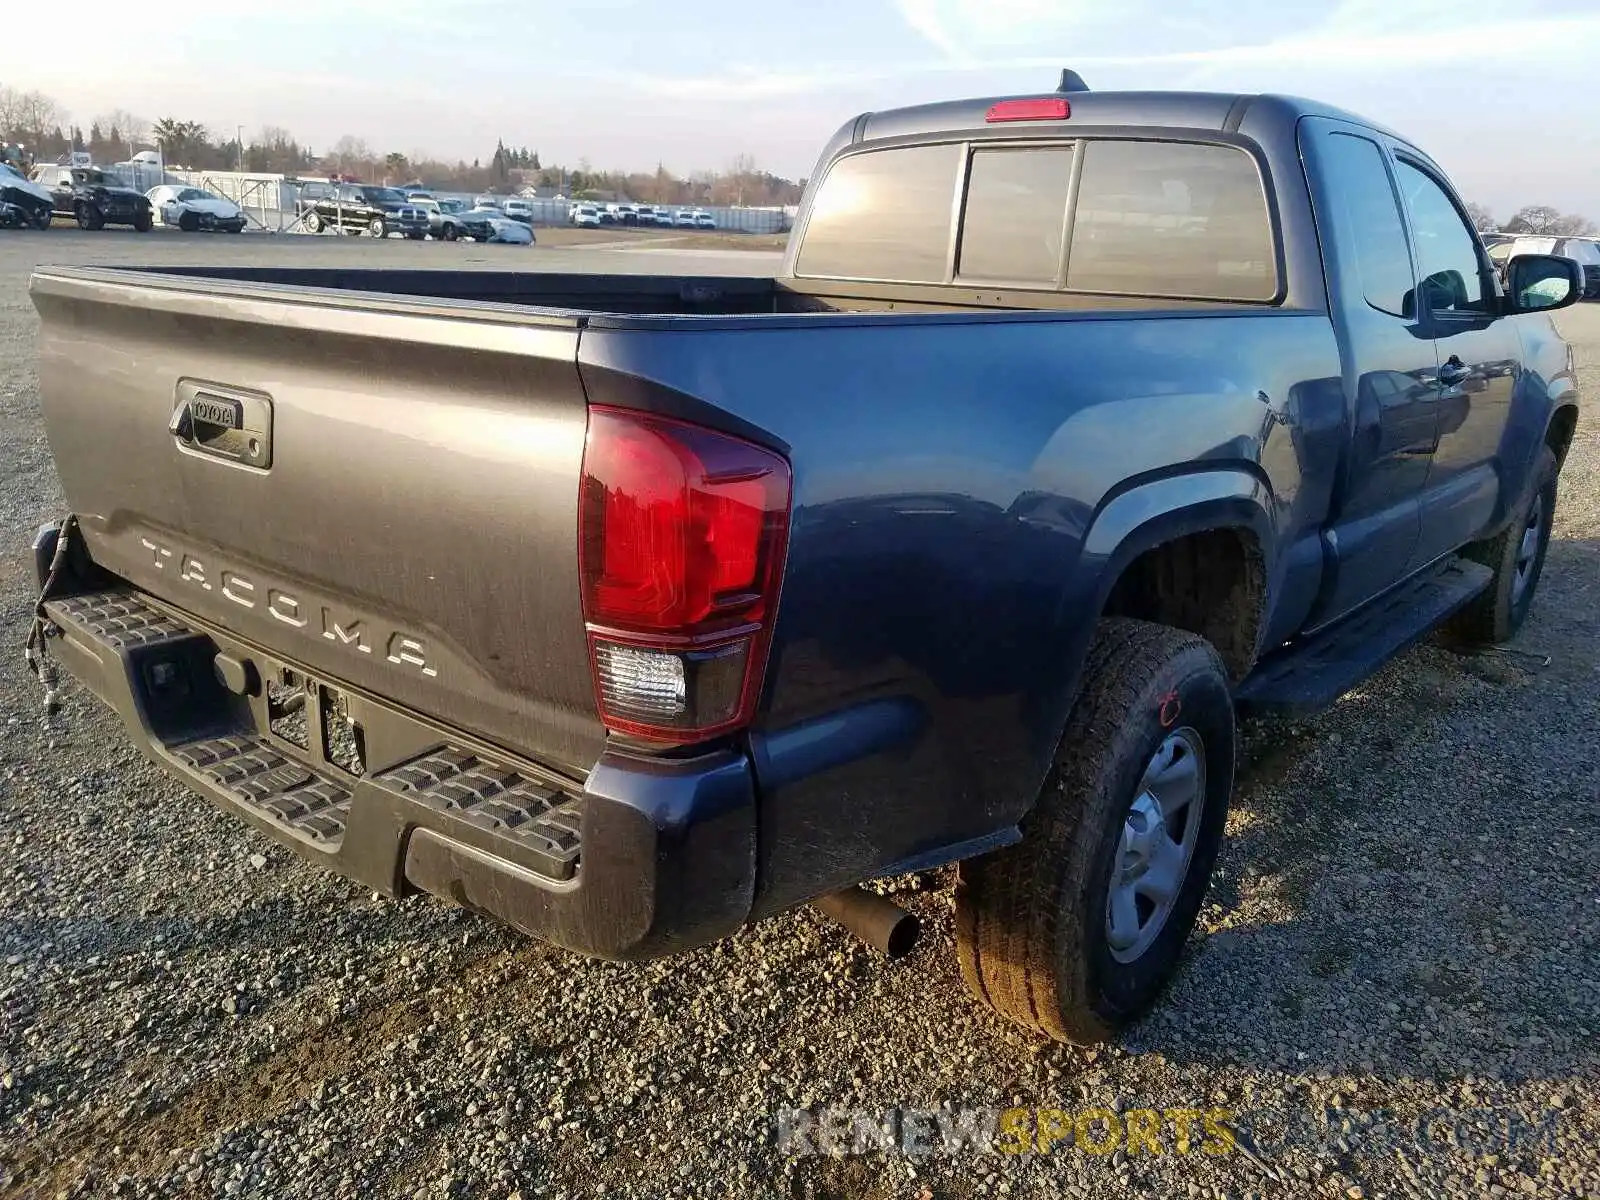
(681, 535)
(1054, 109)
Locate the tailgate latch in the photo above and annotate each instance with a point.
(223, 422)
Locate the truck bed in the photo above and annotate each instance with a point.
(578, 296)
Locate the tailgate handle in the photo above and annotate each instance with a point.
(223, 422)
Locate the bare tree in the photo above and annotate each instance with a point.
(28, 116)
(1572, 225)
(352, 154)
(129, 129)
(1482, 219)
(1535, 218)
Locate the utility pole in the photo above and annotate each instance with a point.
(240, 142)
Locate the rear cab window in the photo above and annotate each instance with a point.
(1159, 219)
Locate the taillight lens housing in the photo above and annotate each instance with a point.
(682, 533)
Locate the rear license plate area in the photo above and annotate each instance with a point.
(314, 721)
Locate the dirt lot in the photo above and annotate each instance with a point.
(1395, 989)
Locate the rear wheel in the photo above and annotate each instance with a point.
(448, 233)
(1516, 555)
(377, 228)
(1076, 930)
(41, 219)
(89, 217)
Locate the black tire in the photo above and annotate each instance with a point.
(142, 221)
(448, 233)
(378, 228)
(89, 217)
(1496, 614)
(312, 223)
(42, 218)
(188, 222)
(1031, 920)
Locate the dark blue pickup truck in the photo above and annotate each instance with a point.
(633, 609)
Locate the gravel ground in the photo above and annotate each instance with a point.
(1395, 988)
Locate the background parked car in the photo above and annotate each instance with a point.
(518, 210)
(489, 224)
(486, 201)
(1582, 250)
(705, 220)
(31, 203)
(444, 216)
(584, 216)
(360, 208)
(93, 197)
(192, 208)
(683, 218)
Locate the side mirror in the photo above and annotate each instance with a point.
(1541, 283)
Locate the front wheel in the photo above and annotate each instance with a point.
(1075, 930)
(89, 217)
(41, 219)
(313, 223)
(142, 222)
(1516, 555)
(448, 233)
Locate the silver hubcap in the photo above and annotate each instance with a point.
(1157, 844)
(1528, 549)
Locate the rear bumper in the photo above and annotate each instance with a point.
(643, 858)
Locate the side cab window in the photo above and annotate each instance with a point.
(1453, 269)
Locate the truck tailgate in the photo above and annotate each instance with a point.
(382, 490)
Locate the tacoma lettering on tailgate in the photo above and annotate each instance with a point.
(343, 629)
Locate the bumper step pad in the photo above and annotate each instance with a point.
(119, 619)
(534, 824)
(280, 788)
(497, 798)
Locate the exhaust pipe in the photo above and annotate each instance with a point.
(882, 924)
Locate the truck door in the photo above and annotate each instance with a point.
(1388, 364)
(1479, 355)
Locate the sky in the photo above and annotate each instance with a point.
(1505, 95)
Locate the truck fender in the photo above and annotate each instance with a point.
(1137, 519)
(1149, 514)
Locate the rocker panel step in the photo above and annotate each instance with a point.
(1311, 675)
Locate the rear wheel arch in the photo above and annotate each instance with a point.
(1203, 564)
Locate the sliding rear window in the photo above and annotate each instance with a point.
(1180, 220)
(1016, 208)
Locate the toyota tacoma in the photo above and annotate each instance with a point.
(630, 610)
